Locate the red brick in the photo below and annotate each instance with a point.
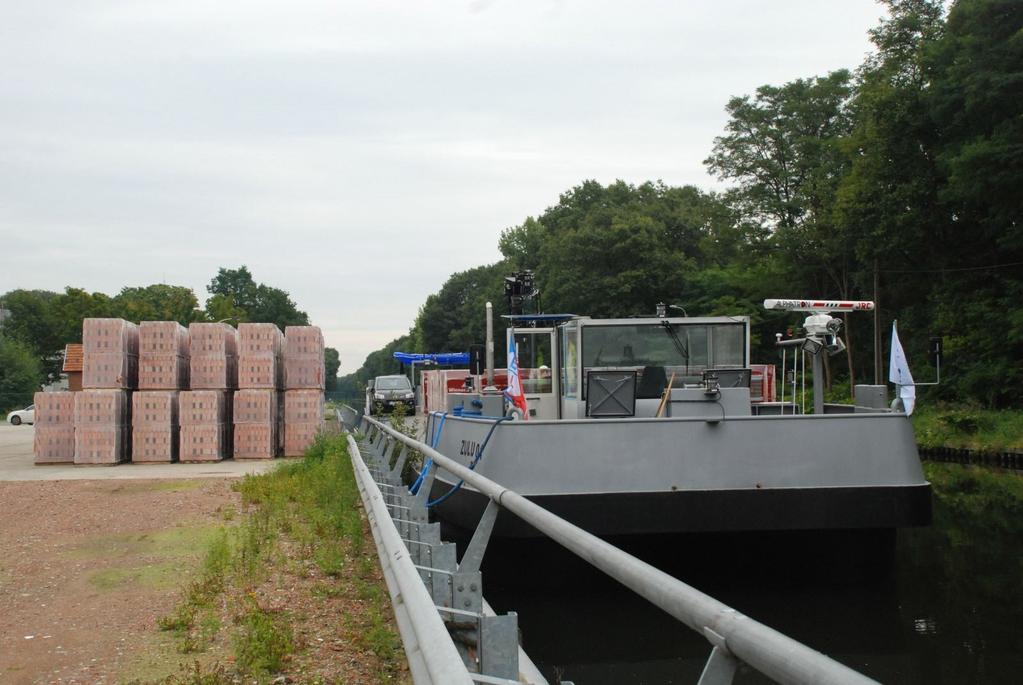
(109, 444)
(255, 440)
(213, 373)
(212, 339)
(55, 409)
(303, 406)
(299, 436)
(260, 372)
(54, 443)
(154, 408)
(102, 408)
(204, 407)
(303, 341)
(154, 445)
(205, 442)
(163, 372)
(110, 336)
(112, 370)
(163, 338)
(303, 374)
(259, 339)
(256, 406)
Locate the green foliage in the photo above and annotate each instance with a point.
(46, 321)
(263, 641)
(455, 318)
(235, 294)
(331, 363)
(970, 427)
(158, 302)
(20, 375)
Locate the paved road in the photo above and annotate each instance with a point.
(17, 463)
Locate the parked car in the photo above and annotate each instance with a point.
(20, 416)
(388, 392)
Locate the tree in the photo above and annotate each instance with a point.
(455, 317)
(235, 294)
(20, 374)
(158, 302)
(331, 363)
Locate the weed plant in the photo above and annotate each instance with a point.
(314, 506)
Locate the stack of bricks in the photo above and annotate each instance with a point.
(303, 417)
(54, 441)
(163, 356)
(163, 372)
(110, 354)
(102, 426)
(256, 417)
(304, 385)
(205, 420)
(102, 414)
(257, 404)
(205, 412)
(154, 427)
(214, 356)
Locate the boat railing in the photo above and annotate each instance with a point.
(734, 638)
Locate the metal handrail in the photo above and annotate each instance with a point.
(431, 654)
(770, 652)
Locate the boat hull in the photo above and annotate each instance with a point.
(709, 511)
(665, 476)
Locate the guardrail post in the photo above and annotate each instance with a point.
(499, 646)
(399, 464)
(720, 668)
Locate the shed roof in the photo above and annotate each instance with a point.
(73, 357)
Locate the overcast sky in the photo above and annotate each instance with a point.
(356, 154)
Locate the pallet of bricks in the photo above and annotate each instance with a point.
(257, 404)
(102, 414)
(304, 385)
(163, 373)
(204, 411)
(54, 440)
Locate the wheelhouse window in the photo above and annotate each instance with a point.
(661, 349)
(535, 361)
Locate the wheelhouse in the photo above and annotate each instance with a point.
(565, 362)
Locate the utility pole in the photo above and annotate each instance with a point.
(877, 325)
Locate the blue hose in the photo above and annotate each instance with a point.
(429, 462)
(472, 465)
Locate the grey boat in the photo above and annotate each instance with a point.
(647, 426)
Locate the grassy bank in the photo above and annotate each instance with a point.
(293, 588)
(967, 427)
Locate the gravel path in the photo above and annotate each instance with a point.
(88, 566)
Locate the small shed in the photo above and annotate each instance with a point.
(73, 366)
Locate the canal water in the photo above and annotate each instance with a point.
(946, 608)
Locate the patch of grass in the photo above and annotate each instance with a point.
(301, 519)
(175, 542)
(968, 427)
(263, 640)
(190, 620)
(153, 575)
(156, 486)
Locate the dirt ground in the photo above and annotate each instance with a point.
(87, 567)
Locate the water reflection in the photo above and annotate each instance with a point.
(949, 611)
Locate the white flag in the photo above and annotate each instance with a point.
(898, 373)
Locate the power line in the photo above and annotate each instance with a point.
(961, 268)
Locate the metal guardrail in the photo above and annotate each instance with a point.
(733, 636)
(431, 655)
(450, 633)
